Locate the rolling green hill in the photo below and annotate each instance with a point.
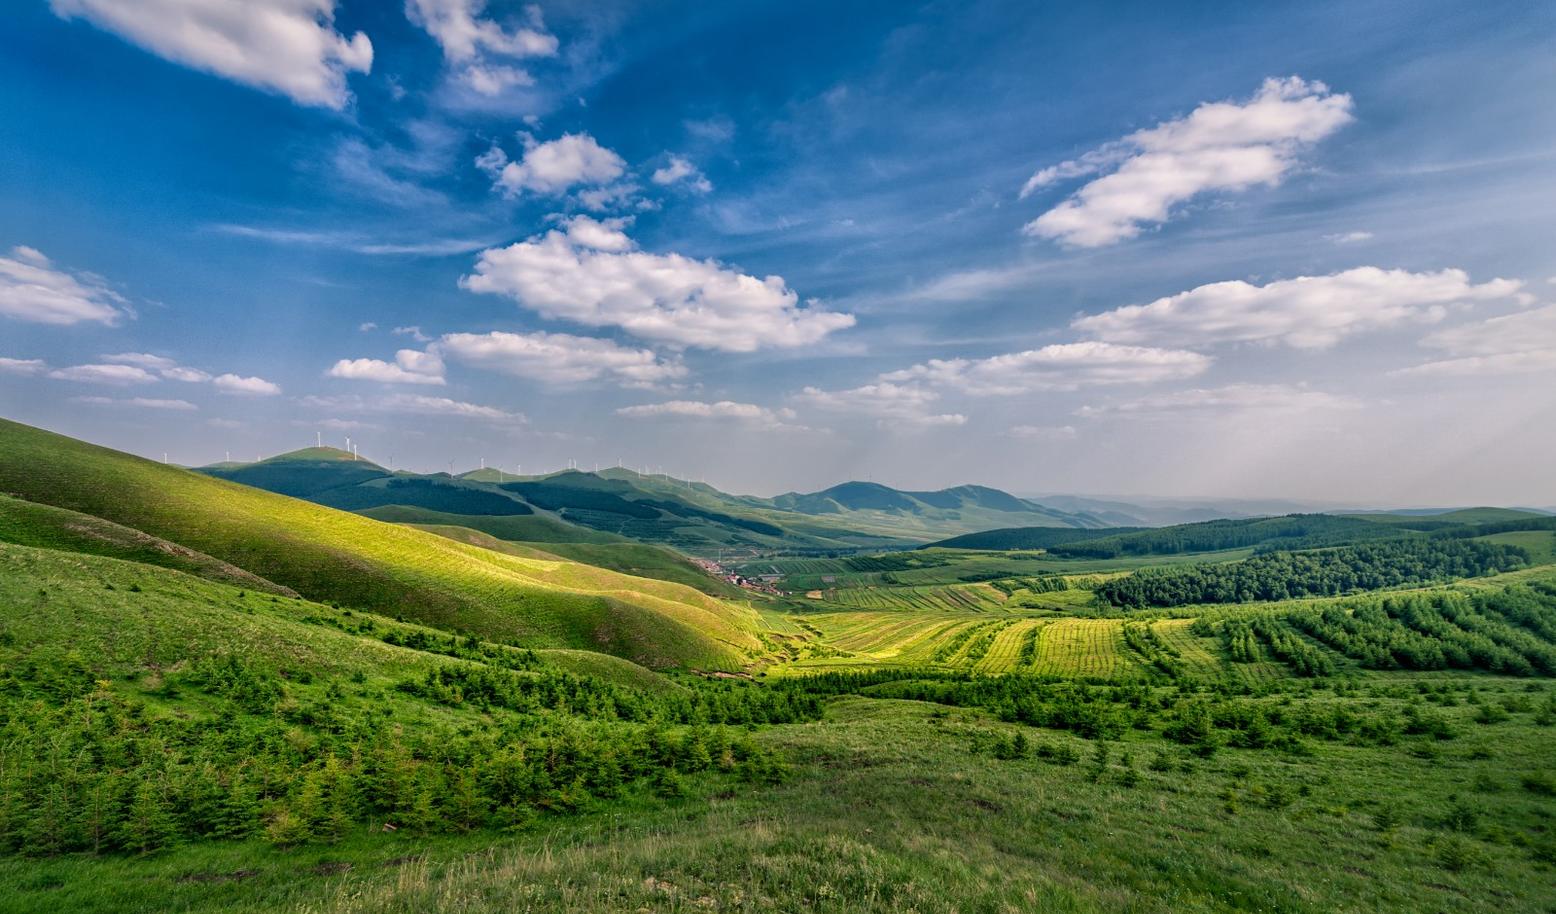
(692, 517)
(25, 523)
(337, 556)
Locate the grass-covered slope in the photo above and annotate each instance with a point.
(25, 523)
(333, 555)
(524, 528)
(638, 559)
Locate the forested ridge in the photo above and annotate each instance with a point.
(1314, 573)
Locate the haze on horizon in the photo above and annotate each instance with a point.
(780, 246)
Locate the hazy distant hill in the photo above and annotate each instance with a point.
(577, 506)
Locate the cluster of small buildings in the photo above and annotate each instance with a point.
(762, 583)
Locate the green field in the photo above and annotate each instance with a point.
(214, 698)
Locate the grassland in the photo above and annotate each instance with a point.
(899, 806)
(337, 556)
(932, 731)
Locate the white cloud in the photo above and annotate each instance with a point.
(442, 406)
(1218, 146)
(104, 374)
(681, 170)
(285, 46)
(410, 366)
(1308, 312)
(413, 404)
(354, 242)
(493, 80)
(553, 167)
(665, 297)
(720, 410)
(1520, 343)
(140, 402)
(33, 289)
(1062, 366)
(21, 366)
(1221, 400)
(613, 197)
(1532, 361)
(1042, 432)
(1348, 237)
(141, 360)
(187, 375)
(889, 404)
(246, 387)
(463, 35)
(367, 326)
(162, 365)
(412, 332)
(560, 358)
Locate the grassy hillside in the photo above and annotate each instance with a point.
(637, 559)
(25, 523)
(528, 528)
(332, 555)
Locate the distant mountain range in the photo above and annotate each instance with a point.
(617, 505)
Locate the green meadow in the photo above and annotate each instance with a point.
(218, 698)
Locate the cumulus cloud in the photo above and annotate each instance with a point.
(1308, 312)
(410, 366)
(1062, 366)
(1520, 343)
(33, 289)
(138, 402)
(1219, 146)
(560, 358)
(475, 46)
(284, 46)
(245, 387)
(118, 375)
(553, 167)
(1222, 400)
(723, 409)
(888, 403)
(680, 171)
(22, 366)
(565, 274)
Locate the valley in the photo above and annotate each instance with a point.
(224, 692)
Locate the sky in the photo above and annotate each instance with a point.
(1297, 250)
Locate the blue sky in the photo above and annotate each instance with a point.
(1180, 249)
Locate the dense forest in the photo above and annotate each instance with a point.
(1314, 573)
(1294, 531)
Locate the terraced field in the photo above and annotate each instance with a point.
(1084, 648)
(944, 598)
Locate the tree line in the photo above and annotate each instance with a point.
(1315, 573)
